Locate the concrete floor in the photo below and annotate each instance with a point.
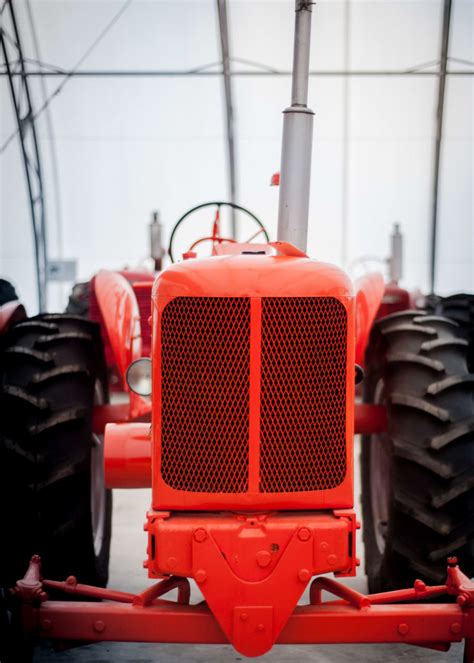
(126, 573)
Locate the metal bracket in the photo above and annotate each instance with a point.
(268, 603)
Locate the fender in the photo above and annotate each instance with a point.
(370, 289)
(119, 308)
(10, 313)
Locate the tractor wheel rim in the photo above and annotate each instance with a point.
(380, 484)
(98, 492)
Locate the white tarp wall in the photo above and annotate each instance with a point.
(126, 146)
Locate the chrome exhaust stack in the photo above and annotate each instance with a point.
(297, 141)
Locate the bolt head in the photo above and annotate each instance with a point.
(455, 627)
(304, 534)
(200, 575)
(403, 629)
(304, 575)
(46, 624)
(260, 627)
(99, 626)
(200, 535)
(332, 560)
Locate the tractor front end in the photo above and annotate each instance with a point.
(250, 462)
(255, 354)
(252, 467)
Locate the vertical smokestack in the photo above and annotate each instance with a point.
(396, 255)
(297, 140)
(156, 240)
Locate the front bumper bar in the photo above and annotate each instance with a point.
(351, 618)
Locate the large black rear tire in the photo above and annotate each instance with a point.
(460, 308)
(52, 371)
(418, 479)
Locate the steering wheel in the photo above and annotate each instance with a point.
(216, 237)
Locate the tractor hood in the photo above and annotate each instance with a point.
(253, 275)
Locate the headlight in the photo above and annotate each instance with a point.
(139, 376)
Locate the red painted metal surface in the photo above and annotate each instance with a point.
(127, 448)
(252, 544)
(395, 299)
(256, 565)
(370, 290)
(96, 316)
(369, 419)
(109, 413)
(142, 290)
(168, 622)
(145, 598)
(141, 283)
(215, 338)
(127, 455)
(119, 413)
(351, 596)
(147, 618)
(289, 250)
(10, 313)
(121, 316)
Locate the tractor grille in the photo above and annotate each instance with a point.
(205, 394)
(303, 394)
(205, 415)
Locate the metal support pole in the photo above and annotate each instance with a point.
(235, 73)
(224, 37)
(297, 140)
(346, 111)
(11, 47)
(438, 140)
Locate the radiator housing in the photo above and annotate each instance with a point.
(253, 385)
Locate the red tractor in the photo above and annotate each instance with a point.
(242, 423)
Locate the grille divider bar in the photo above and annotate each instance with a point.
(254, 393)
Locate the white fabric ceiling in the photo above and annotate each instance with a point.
(126, 146)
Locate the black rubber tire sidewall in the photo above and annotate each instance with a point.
(45, 477)
(425, 524)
